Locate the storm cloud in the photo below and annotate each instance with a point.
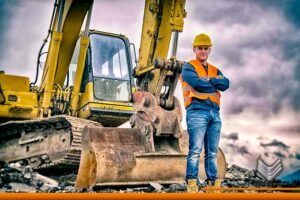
(275, 143)
(243, 150)
(231, 136)
(27, 25)
(289, 7)
(279, 154)
(236, 148)
(257, 50)
(297, 156)
(6, 13)
(294, 128)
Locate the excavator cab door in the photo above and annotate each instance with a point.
(106, 85)
(111, 67)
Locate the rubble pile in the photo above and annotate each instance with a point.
(16, 178)
(238, 177)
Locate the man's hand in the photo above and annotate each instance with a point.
(206, 79)
(220, 82)
(220, 77)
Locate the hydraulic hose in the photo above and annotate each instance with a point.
(43, 45)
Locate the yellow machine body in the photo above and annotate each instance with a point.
(16, 100)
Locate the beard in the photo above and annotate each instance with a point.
(202, 58)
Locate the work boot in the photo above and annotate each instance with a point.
(192, 186)
(210, 185)
(216, 184)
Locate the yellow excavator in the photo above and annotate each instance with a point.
(88, 88)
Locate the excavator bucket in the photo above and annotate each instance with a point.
(120, 156)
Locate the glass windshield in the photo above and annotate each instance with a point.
(110, 68)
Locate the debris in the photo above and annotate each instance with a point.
(16, 178)
(156, 186)
(27, 172)
(177, 187)
(21, 187)
(237, 176)
(129, 190)
(46, 180)
(141, 189)
(69, 189)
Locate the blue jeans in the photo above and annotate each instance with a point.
(204, 126)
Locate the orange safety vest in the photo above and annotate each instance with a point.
(189, 93)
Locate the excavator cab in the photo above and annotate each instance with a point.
(106, 83)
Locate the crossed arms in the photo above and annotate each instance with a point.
(190, 76)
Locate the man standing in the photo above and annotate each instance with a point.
(201, 85)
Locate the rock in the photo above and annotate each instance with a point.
(44, 188)
(28, 175)
(50, 182)
(228, 175)
(53, 189)
(27, 172)
(64, 184)
(20, 187)
(156, 186)
(142, 189)
(128, 190)
(39, 183)
(69, 189)
(15, 166)
(177, 187)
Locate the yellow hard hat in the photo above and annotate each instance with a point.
(202, 40)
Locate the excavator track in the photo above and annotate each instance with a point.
(50, 143)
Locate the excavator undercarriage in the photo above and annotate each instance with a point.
(44, 143)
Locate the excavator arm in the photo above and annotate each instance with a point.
(154, 71)
(158, 112)
(68, 20)
(154, 148)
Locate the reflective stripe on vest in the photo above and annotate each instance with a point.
(189, 93)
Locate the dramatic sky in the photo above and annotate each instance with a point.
(255, 44)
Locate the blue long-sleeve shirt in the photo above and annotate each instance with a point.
(190, 76)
